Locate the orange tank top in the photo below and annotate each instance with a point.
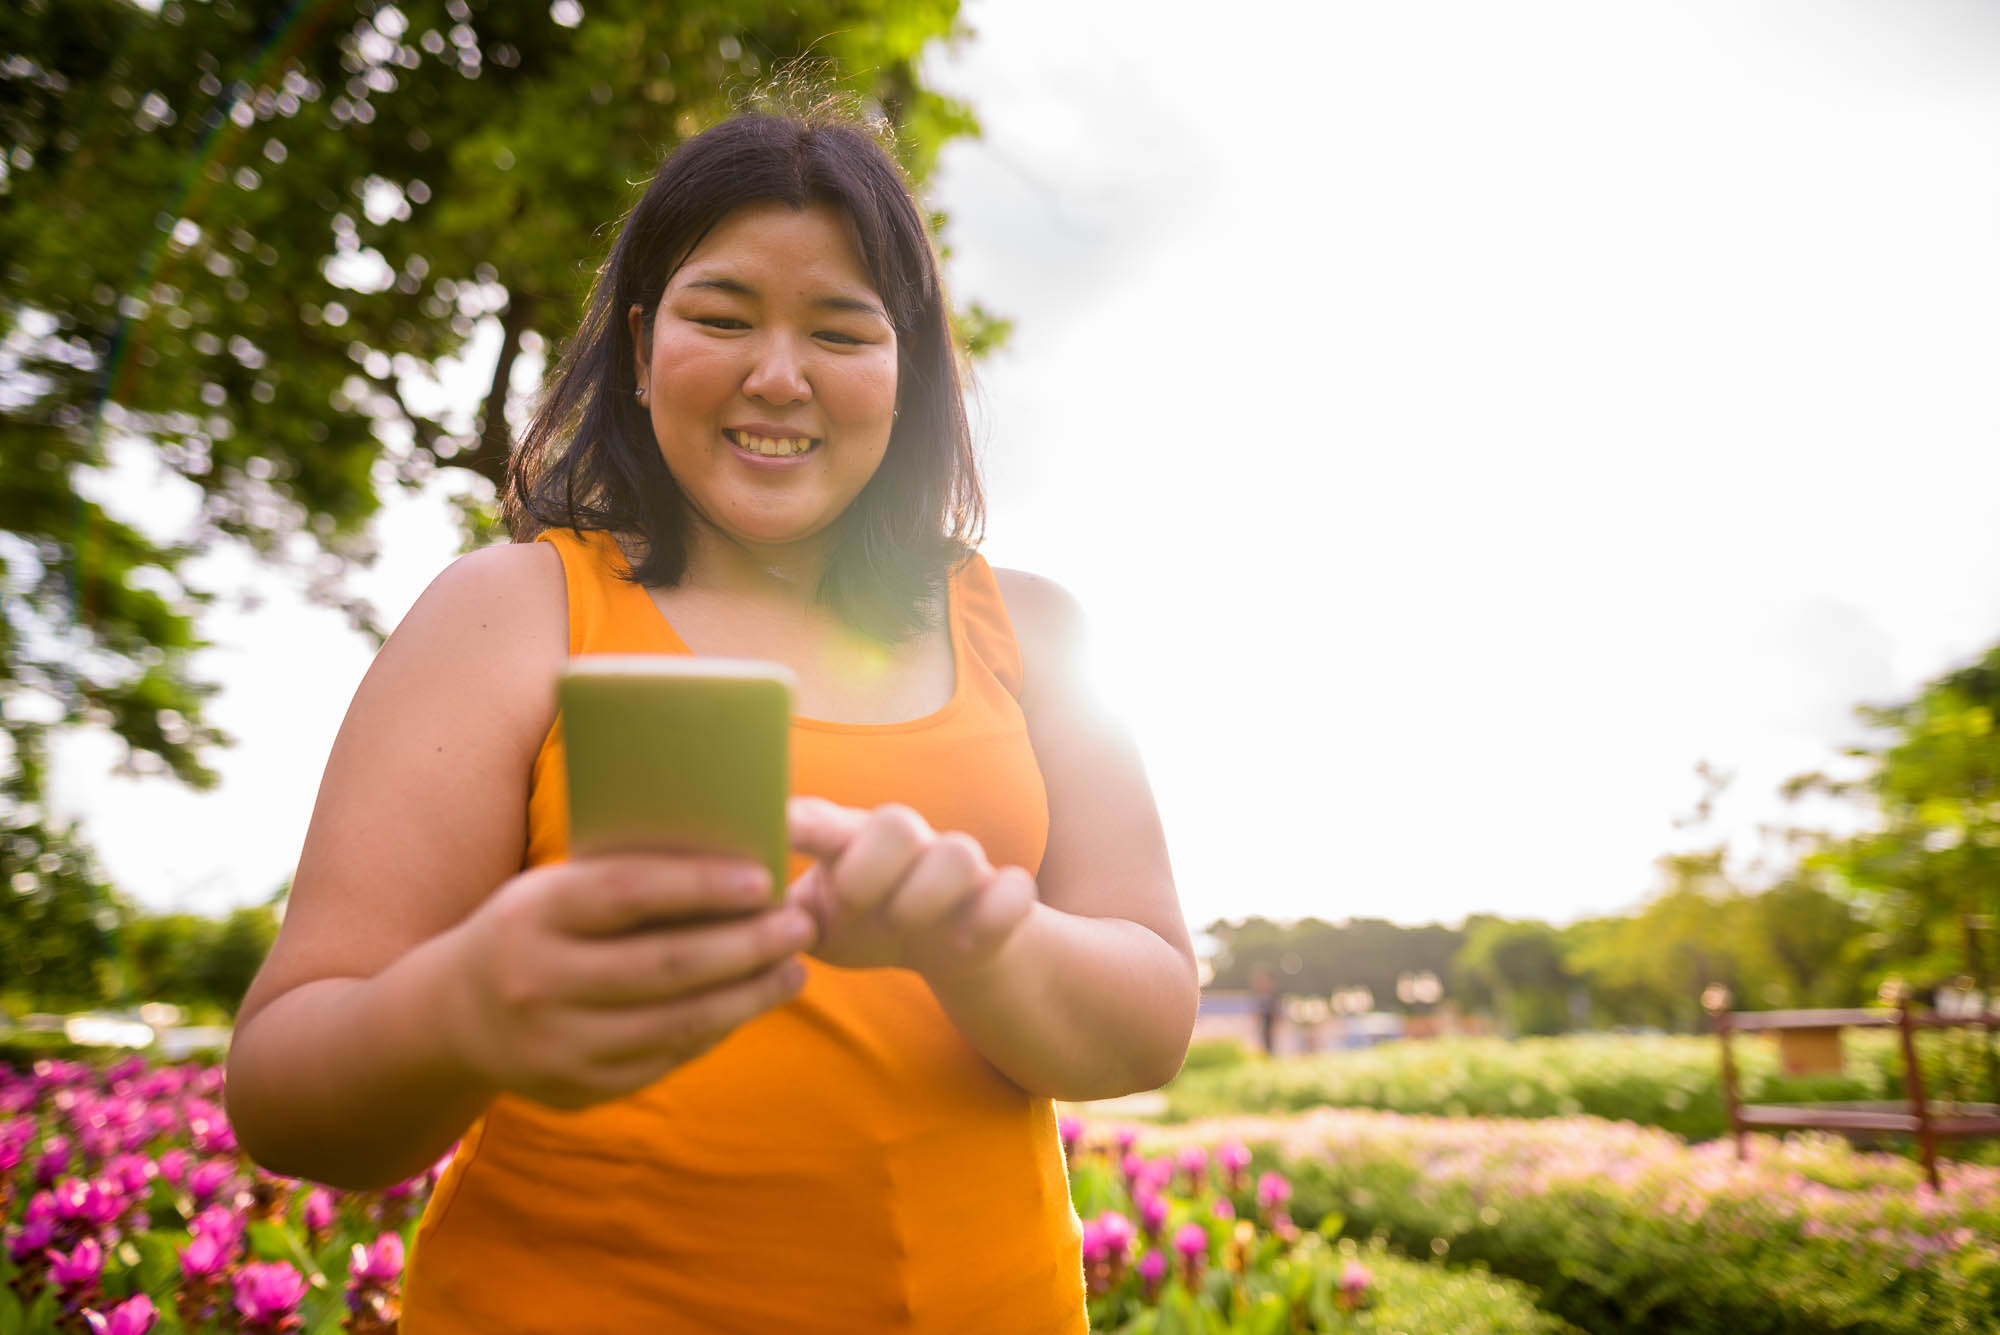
(845, 1163)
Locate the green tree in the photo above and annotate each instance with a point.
(1521, 966)
(256, 238)
(1929, 872)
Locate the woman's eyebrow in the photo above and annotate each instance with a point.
(734, 288)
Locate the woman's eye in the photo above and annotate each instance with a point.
(720, 322)
(835, 336)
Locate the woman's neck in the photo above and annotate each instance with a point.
(773, 576)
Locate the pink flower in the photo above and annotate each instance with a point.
(1193, 1160)
(174, 1166)
(377, 1266)
(133, 1173)
(1272, 1192)
(38, 1228)
(1071, 1130)
(209, 1128)
(1153, 1214)
(319, 1210)
(95, 1204)
(1233, 1157)
(1152, 1269)
(78, 1269)
(206, 1257)
(54, 1160)
(1223, 1209)
(1191, 1241)
(1355, 1282)
(208, 1179)
(131, 1317)
(1118, 1233)
(268, 1295)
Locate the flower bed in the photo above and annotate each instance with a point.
(1190, 1243)
(128, 1209)
(1623, 1228)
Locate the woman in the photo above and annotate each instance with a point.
(684, 1106)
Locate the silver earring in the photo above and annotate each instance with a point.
(640, 393)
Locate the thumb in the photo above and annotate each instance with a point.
(819, 828)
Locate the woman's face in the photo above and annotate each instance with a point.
(770, 373)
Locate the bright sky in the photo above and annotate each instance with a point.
(1457, 419)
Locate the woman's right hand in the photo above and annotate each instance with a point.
(577, 982)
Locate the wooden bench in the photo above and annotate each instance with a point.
(1814, 1047)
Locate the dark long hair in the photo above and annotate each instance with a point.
(590, 460)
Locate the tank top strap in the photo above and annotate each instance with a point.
(989, 633)
(607, 612)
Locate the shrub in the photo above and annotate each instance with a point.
(1625, 1229)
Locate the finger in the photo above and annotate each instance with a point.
(990, 917)
(949, 870)
(644, 967)
(877, 858)
(598, 896)
(821, 829)
(659, 1038)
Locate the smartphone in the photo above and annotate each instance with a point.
(672, 752)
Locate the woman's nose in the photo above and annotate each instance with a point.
(778, 375)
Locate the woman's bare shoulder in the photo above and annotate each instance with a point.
(1048, 625)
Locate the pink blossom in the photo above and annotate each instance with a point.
(1152, 1214)
(1191, 1241)
(134, 1316)
(1272, 1191)
(53, 1161)
(79, 1268)
(38, 1228)
(207, 1180)
(377, 1266)
(133, 1173)
(1125, 1137)
(1233, 1158)
(1355, 1281)
(1118, 1235)
(1223, 1209)
(319, 1210)
(96, 1203)
(1071, 1131)
(1193, 1160)
(1152, 1269)
(268, 1294)
(174, 1166)
(206, 1257)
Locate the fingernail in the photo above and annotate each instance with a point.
(797, 930)
(752, 880)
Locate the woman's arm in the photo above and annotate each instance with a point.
(420, 971)
(1078, 983)
(338, 1069)
(1095, 995)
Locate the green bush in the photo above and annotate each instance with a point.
(1624, 1230)
(1216, 1054)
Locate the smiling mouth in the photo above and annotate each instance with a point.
(772, 447)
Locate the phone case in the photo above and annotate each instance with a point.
(678, 753)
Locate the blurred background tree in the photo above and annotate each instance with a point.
(255, 243)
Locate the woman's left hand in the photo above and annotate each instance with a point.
(889, 891)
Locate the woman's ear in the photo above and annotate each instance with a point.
(635, 321)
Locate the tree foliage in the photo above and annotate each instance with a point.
(264, 241)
